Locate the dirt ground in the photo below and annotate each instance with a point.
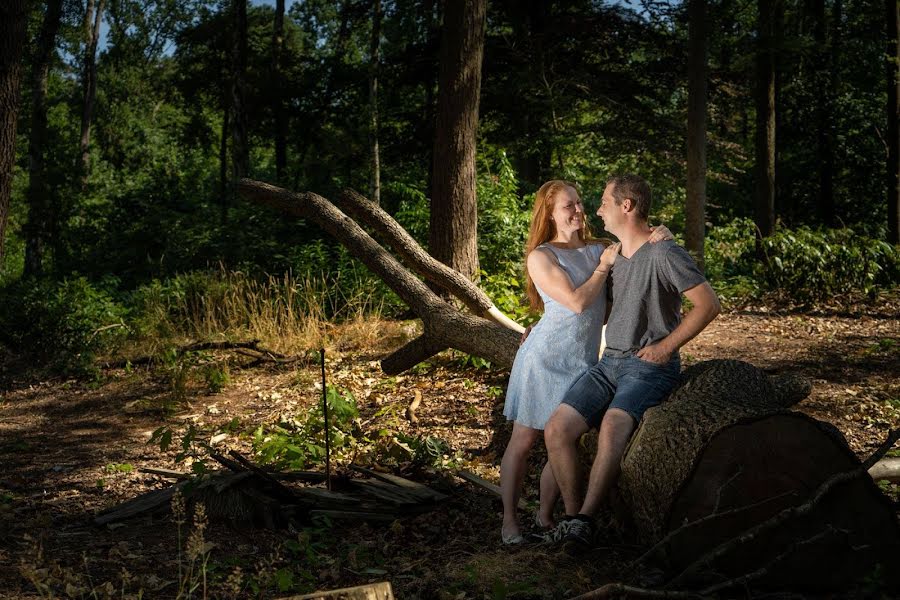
(69, 449)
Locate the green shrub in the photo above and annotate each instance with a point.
(805, 264)
(63, 324)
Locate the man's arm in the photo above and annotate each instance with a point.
(706, 307)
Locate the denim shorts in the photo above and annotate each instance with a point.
(625, 382)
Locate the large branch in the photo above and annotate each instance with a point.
(445, 327)
(427, 266)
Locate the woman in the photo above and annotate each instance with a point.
(566, 277)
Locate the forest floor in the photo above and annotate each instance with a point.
(70, 448)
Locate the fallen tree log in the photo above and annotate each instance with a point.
(723, 455)
(444, 325)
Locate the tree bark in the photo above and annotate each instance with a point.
(374, 57)
(723, 454)
(279, 114)
(224, 189)
(13, 18)
(92, 19)
(765, 118)
(240, 152)
(444, 326)
(826, 72)
(695, 210)
(453, 237)
(39, 212)
(892, 10)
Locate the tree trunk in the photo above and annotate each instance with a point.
(723, 455)
(13, 18)
(39, 212)
(224, 189)
(765, 118)
(892, 10)
(453, 237)
(89, 82)
(240, 152)
(278, 111)
(826, 77)
(695, 209)
(373, 101)
(444, 326)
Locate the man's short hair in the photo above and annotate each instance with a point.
(634, 187)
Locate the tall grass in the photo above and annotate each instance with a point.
(286, 313)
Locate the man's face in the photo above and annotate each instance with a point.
(609, 211)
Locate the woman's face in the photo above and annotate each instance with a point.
(568, 212)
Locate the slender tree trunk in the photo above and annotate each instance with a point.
(240, 152)
(13, 18)
(223, 163)
(453, 237)
(825, 75)
(39, 212)
(765, 118)
(893, 109)
(373, 101)
(695, 211)
(277, 96)
(92, 20)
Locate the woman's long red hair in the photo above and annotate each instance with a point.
(543, 230)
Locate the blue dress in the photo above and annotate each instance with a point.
(560, 348)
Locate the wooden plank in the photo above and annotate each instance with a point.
(413, 487)
(486, 485)
(370, 591)
(144, 503)
(167, 473)
(352, 515)
(384, 491)
(325, 496)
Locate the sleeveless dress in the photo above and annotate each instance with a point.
(560, 348)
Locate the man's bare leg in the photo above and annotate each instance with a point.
(615, 431)
(561, 435)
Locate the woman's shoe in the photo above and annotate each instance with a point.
(512, 539)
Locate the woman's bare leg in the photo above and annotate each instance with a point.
(549, 496)
(512, 474)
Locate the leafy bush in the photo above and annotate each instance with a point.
(62, 324)
(806, 264)
(298, 443)
(503, 215)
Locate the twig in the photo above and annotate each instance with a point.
(614, 589)
(788, 513)
(702, 521)
(411, 409)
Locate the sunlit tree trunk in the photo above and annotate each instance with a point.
(453, 237)
(39, 211)
(12, 40)
(373, 101)
(278, 96)
(765, 117)
(92, 18)
(695, 210)
(892, 10)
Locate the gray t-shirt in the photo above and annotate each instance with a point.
(646, 294)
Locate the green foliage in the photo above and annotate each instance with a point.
(802, 264)
(298, 443)
(62, 324)
(503, 215)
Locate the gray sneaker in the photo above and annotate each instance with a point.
(579, 536)
(556, 534)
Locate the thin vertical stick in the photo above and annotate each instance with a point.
(327, 436)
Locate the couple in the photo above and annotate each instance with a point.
(556, 383)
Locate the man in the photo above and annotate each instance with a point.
(640, 365)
